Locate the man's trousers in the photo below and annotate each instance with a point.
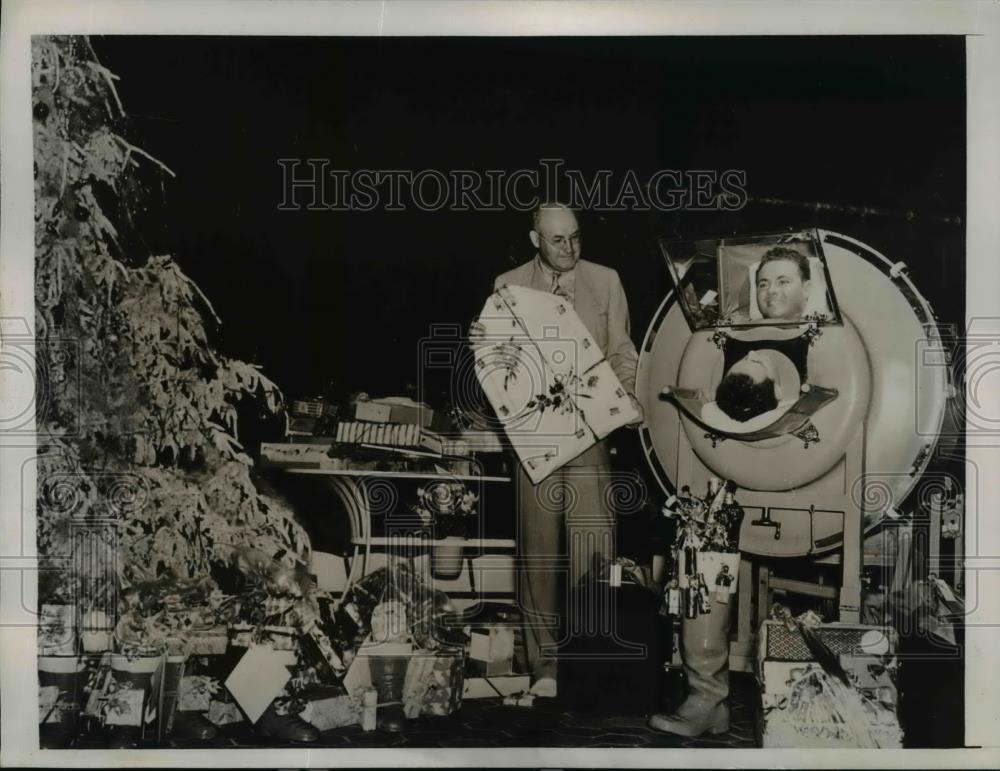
(564, 522)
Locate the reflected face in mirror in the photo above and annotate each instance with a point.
(782, 289)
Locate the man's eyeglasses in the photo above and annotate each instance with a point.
(562, 243)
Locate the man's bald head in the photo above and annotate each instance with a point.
(556, 235)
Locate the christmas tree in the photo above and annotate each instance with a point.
(141, 473)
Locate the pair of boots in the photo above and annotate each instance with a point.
(705, 649)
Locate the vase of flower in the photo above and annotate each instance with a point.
(446, 561)
(446, 509)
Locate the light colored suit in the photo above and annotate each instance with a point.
(568, 518)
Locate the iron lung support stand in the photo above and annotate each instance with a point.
(802, 519)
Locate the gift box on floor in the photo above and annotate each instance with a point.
(801, 705)
(329, 707)
(224, 712)
(196, 692)
(491, 651)
(124, 707)
(434, 682)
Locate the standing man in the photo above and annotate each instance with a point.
(567, 518)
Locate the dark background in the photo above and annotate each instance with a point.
(324, 296)
(344, 298)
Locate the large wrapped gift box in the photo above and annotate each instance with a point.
(491, 650)
(329, 707)
(434, 682)
(800, 710)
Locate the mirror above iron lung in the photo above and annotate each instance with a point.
(752, 281)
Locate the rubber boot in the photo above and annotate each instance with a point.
(389, 677)
(705, 649)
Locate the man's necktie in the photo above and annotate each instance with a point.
(559, 289)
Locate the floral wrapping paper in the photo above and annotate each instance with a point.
(124, 707)
(325, 711)
(547, 379)
(434, 683)
(196, 692)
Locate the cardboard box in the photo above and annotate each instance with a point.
(491, 651)
(494, 687)
(302, 425)
(258, 678)
(207, 642)
(421, 415)
(311, 408)
(373, 412)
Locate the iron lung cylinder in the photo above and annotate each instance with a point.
(885, 360)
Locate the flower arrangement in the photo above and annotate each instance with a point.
(447, 507)
(557, 398)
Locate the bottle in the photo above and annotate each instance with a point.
(690, 600)
(674, 598)
(690, 561)
(704, 598)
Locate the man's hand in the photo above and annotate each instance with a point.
(477, 335)
(638, 408)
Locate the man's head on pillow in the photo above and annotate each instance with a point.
(749, 388)
(783, 284)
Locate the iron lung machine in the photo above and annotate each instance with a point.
(863, 391)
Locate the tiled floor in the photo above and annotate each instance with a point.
(488, 723)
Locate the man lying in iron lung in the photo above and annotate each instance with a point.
(750, 387)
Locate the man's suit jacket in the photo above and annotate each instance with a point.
(599, 301)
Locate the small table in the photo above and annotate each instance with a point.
(364, 491)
